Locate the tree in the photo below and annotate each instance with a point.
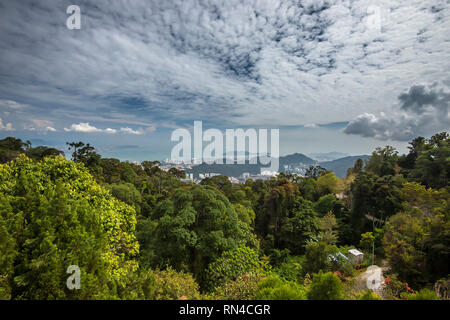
(315, 172)
(317, 256)
(41, 152)
(383, 161)
(11, 148)
(127, 193)
(299, 226)
(327, 183)
(432, 166)
(232, 264)
(194, 227)
(53, 215)
(408, 162)
(326, 286)
(170, 284)
(275, 288)
(327, 226)
(367, 240)
(177, 173)
(84, 153)
(373, 197)
(416, 239)
(325, 204)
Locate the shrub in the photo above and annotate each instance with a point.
(276, 288)
(232, 264)
(424, 294)
(317, 256)
(243, 288)
(172, 285)
(369, 295)
(53, 215)
(326, 286)
(291, 269)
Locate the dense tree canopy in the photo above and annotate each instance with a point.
(52, 215)
(141, 231)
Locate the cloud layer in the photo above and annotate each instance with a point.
(85, 127)
(136, 67)
(421, 110)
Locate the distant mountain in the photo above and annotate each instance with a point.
(328, 156)
(340, 166)
(296, 158)
(293, 163)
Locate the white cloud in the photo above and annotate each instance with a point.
(6, 127)
(273, 62)
(86, 127)
(263, 63)
(10, 104)
(109, 130)
(131, 131)
(40, 125)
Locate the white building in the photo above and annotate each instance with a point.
(355, 256)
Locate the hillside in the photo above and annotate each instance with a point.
(340, 166)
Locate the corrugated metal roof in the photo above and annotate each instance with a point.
(355, 252)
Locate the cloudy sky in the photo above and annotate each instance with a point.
(332, 75)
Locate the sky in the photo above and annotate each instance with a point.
(331, 75)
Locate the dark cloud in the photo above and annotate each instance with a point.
(419, 97)
(423, 111)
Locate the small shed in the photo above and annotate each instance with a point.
(355, 256)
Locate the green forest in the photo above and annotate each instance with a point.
(138, 232)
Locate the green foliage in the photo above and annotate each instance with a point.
(369, 295)
(317, 256)
(298, 226)
(326, 286)
(327, 183)
(172, 285)
(245, 214)
(424, 294)
(432, 164)
(327, 226)
(127, 193)
(325, 204)
(275, 288)
(377, 197)
(84, 153)
(243, 288)
(11, 148)
(232, 264)
(194, 227)
(291, 269)
(52, 215)
(367, 240)
(383, 161)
